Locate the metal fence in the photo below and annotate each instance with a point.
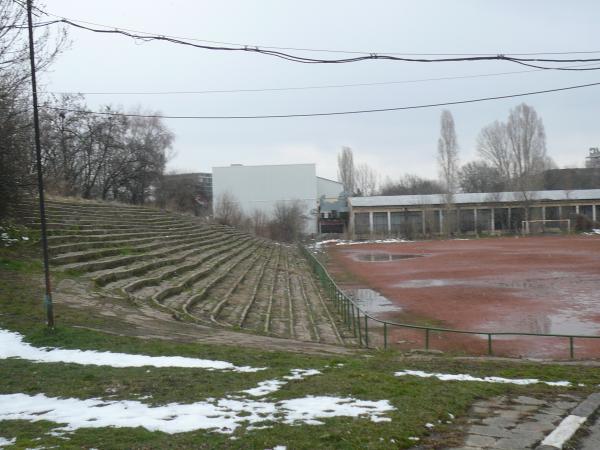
(361, 324)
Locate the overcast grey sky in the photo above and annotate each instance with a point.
(394, 143)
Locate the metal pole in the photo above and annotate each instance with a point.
(490, 344)
(385, 335)
(366, 332)
(571, 347)
(38, 154)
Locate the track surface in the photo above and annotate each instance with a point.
(534, 284)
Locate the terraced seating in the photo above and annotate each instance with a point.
(210, 274)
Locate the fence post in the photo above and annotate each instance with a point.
(353, 320)
(366, 332)
(385, 335)
(359, 331)
(426, 338)
(571, 347)
(490, 344)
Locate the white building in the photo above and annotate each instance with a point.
(262, 187)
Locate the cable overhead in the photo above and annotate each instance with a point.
(301, 88)
(332, 113)
(316, 49)
(272, 51)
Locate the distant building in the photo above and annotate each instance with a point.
(495, 212)
(593, 160)
(260, 188)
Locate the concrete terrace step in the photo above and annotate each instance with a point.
(110, 262)
(195, 306)
(110, 226)
(144, 266)
(186, 265)
(108, 220)
(236, 298)
(177, 285)
(67, 213)
(95, 233)
(87, 255)
(78, 246)
(89, 206)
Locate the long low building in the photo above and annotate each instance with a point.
(496, 212)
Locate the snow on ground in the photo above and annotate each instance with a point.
(270, 386)
(463, 377)
(4, 442)
(221, 415)
(12, 346)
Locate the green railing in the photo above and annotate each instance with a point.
(357, 320)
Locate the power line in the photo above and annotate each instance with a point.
(302, 88)
(316, 49)
(307, 60)
(332, 113)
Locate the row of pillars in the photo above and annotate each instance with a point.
(492, 225)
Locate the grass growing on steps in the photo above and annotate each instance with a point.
(368, 376)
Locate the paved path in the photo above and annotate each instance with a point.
(592, 440)
(515, 423)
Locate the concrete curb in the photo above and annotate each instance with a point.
(570, 424)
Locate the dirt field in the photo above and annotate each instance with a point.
(531, 285)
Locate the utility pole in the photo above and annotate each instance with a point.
(38, 153)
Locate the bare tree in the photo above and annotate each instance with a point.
(365, 179)
(493, 147)
(16, 159)
(411, 185)
(448, 160)
(260, 223)
(288, 221)
(346, 170)
(527, 138)
(448, 154)
(478, 176)
(227, 210)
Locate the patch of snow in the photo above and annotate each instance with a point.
(12, 346)
(413, 438)
(280, 447)
(429, 425)
(221, 415)
(4, 441)
(464, 377)
(270, 386)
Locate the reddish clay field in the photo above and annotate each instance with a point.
(546, 285)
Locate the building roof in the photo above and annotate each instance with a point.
(484, 197)
(330, 180)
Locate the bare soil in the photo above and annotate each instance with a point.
(548, 285)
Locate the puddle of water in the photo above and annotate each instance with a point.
(372, 301)
(426, 283)
(384, 257)
(561, 322)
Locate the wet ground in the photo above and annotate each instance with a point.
(545, 285)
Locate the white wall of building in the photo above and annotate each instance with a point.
(329, 188)
(261, 187)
